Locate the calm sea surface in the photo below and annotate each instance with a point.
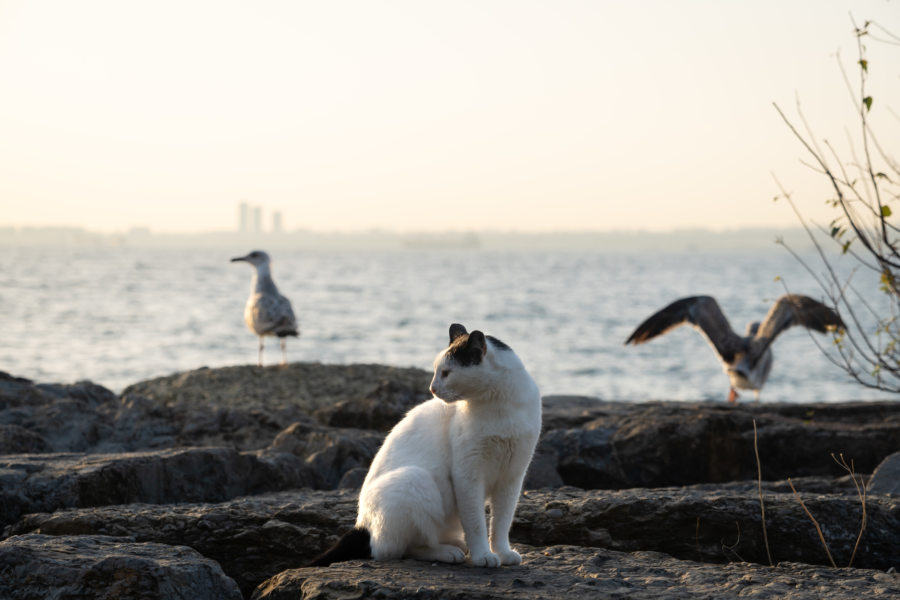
(120, 315)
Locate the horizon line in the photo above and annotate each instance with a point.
(148, 231)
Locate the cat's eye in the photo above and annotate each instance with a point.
(444, 373)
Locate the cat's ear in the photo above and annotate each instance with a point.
(456, 330)
(476, 340)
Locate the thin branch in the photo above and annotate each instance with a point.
(762, 505)
(813, 519)
(862, 494)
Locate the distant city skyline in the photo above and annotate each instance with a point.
(686, 239)
(413, 117)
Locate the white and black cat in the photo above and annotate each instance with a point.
(425, 493)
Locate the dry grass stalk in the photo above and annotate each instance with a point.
(813, 519)
(726, 548)
(762, 506)
(863, 496)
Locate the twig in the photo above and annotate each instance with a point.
(736, 542)
(813, 519)
(762, 506)
(697, 537)
(863, 495)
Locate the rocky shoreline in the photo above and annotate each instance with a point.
(222, 483)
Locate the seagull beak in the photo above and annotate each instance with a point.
(238, 258)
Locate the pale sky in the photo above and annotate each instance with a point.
(419, 116)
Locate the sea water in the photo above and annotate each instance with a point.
(118, 315)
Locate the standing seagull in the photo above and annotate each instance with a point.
(746, 359)
(267, 312)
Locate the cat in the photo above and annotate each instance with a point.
(425, 493)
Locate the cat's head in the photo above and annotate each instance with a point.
(463, 369)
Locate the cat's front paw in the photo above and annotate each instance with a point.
(485, 559)
(510, 557)
(451, 554)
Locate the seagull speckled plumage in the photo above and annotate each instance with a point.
(267, 312)
(746, 359)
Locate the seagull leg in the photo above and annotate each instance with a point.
(283, 351)
(732, 395)
(261, 343)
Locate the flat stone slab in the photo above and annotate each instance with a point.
(577, 572)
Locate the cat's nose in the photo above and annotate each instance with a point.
(432, 390)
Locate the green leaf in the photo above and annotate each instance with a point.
(886, 211)
(845, 247)
(835, 231)
(864, 64)
(868, 102)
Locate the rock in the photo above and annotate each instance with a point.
(586, 443)
(253, 538)
(721, 525)
(241, 407)
(303, 455)
(886, 478)
(96, 567)
(575, 572)
(381, 408)
(326, 453)
(664, 444)
(213, 459)
(46, 482)
(18, 440)
(18, 391)
(246, 407)
(68, 417)
(256, 537)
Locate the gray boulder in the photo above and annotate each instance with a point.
(253, 537)
(245, 407)
(104, 568)
(67, 417)
(321, 456)
(239, 407)
(886, 478)
(303, 455)
(46, 482)
(18, 440)
(712, 525)
(663, 444)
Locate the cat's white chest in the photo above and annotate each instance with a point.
(498, 450)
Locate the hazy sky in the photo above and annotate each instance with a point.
(343, 115)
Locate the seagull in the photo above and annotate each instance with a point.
(746, 359)
(267, 312)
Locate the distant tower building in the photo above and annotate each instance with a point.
(257, 219)
(243, 218)
(276, 221)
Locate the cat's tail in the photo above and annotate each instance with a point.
(356, 543)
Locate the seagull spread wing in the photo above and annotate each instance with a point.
(704, 313)
(790, 310)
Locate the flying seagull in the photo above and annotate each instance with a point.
(267, 312)
(746, 359)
